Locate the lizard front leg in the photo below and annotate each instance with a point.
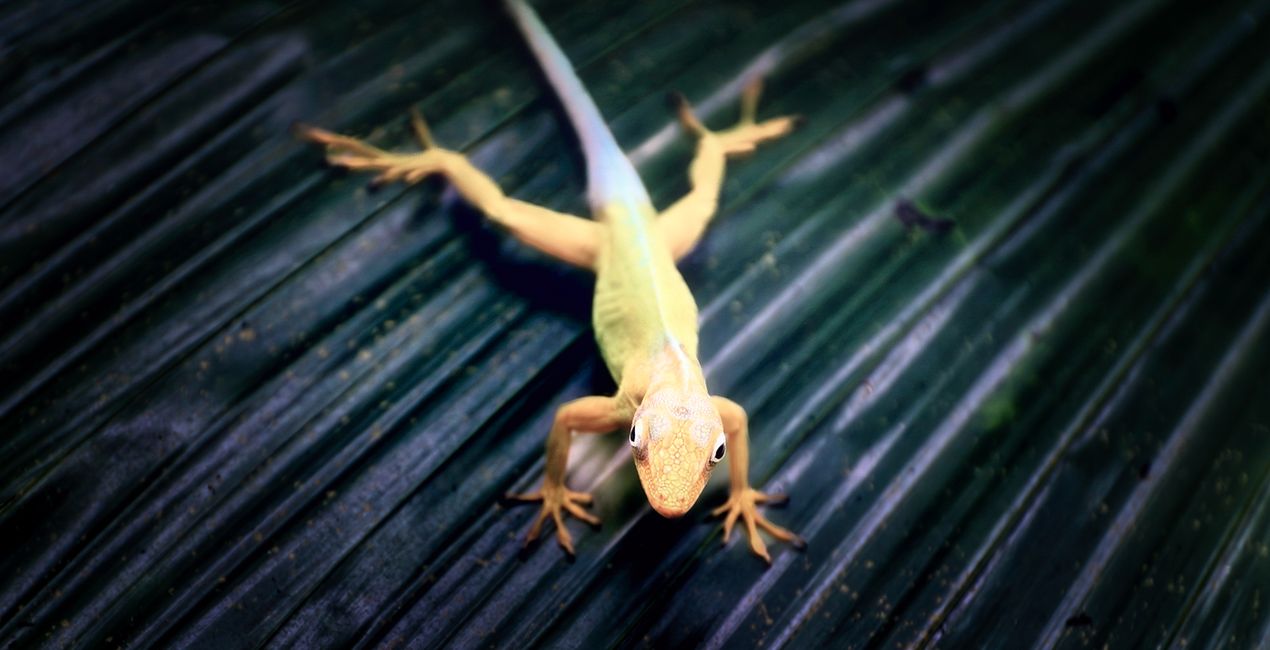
(743, 500)
(585, 415)
(563, 236)
(682, 224)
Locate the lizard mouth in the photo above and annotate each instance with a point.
(671, 512)
(671, 498)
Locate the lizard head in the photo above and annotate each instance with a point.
(677, 439)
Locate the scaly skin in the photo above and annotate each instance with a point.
(644, 316)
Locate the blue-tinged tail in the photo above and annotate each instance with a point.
(610, 175)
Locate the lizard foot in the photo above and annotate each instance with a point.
(747, 134)
(555, 500)
(744, 504)
(351, 153)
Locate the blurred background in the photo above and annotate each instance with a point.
(999, 311)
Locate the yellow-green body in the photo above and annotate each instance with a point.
(644, 315)
(642, 303)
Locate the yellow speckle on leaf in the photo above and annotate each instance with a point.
(997, 412)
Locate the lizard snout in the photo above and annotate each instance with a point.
(671, 511)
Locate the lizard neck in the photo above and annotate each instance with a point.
(673, 368)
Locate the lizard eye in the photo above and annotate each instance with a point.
(719, 450)
(637, 432)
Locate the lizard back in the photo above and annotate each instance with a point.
(641, 301)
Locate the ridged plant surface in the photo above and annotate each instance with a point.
(999, 311)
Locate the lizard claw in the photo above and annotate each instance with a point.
(556, 501)
(748, 133)
(351, 153)
(744, 505)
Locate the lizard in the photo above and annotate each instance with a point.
(644, 316)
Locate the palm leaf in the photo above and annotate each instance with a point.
(998, 312)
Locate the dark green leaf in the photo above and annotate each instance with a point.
(999, 312)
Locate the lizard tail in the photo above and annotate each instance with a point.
(610, 176)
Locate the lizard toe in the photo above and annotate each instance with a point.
(743, 505)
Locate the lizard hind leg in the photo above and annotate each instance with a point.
(563, 236)
(681, 225)
(352, 153)
(748, 133)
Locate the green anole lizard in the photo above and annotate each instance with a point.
(645, 318)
